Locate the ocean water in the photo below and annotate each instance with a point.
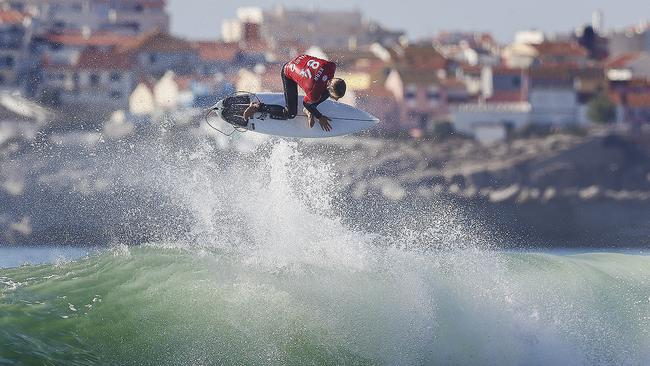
(272, 274)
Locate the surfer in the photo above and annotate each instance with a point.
(316, 77)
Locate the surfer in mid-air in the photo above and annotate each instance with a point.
(316, 77)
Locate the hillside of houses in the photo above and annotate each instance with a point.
(89, 59)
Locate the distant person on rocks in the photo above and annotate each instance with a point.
(316, 77)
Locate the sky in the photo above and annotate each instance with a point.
(201, 19)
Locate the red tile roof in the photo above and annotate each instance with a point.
(255, 46)
(146, 4)
(158, 42)
(423, 57)
(217, 51)
(502, 96)
(562, 48)
(555, 72)
(93, 59)
(12, 17)
(100, 39)
(622, 60)
(51, 66)
(184, 82)
(638, 100)
(453, 84)
(503, 70)
(418, 76)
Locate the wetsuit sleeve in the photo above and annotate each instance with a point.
(311, 107)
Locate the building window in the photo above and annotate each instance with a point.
(116, 94)
(116, 77)
(433, 94)
(94, 80)
(152, 59)
(8, 61)
(410, 93)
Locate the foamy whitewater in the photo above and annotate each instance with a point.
(271, 273)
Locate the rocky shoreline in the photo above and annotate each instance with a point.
(87, 188)
(557, 190)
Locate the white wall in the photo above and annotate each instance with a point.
(467, 118)
(553, 106)
(490, 133)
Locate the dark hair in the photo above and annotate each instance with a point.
(337, 87)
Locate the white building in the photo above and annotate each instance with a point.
(632, 39)
(478, 119)
(15, 34)
(629, 66)
(553, 105)
(102, 79)
(325, 28)
(124, 16)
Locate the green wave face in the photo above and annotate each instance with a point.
(157, 305)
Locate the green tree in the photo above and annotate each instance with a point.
(601, 109)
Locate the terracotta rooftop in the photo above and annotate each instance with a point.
(93, 59)
(453, 83)
(95, 39)
(50, 65)
(146, 4)
(502, 96)
(184, 82)
(217, 51)
(12, 17)
(503, 70)
(158, 42)
(255, 46)
(622, 60)
(638, 100)
(563, 48)
(419, 56)
(567, 72)
(418, 77)
(422, 57)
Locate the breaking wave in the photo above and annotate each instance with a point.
(272, 273)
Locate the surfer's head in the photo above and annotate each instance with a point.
(336, 87)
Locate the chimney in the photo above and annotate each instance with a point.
(251, 32)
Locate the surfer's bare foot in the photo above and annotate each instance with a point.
(310, 119)
(251, 110)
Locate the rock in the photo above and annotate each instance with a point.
(22, 227)
(589, 193)
(505, 194)
(549, 194)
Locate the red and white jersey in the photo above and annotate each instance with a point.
(311, 74)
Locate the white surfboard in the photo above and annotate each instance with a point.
(345, 118)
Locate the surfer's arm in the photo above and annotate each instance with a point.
(311, 107)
